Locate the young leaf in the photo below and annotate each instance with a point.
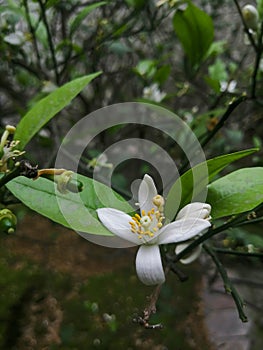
(195, 177)
(48, 107)
(83, 14)
(236, 192)
(194, 28)
(76, 211)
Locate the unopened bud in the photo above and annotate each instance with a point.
(7, 221)
(158, 200)
(10, 128)
(250, 15)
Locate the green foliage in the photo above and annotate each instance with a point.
(83, 14)
(195, 30)
(48, 107)
(217, 74)
(194, 181)
(237, 192)
(78, 210)
(260, 8)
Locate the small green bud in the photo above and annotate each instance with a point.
(8, 221)
(250, 15)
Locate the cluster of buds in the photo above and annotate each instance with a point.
(8, 148)
(7, 221)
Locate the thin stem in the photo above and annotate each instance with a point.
(235, 252)
(247, 31)
(229, 287)
(149, 310)
(9, 176)
(23, 168)
(33, 34)
(231, 107)
(50, 41)
(257, 63)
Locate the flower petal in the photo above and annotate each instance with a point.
(147, 191)
(182, 230)
(192, 256)
(107, 241)
(117, 222)
(195, 210)
(149, 265)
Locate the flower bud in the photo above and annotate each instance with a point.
(7, 221)
(250, 15)
(195, 210)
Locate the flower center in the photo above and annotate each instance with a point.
(149, 223)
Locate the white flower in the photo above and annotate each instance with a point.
(193, 210)
(228, 86)
(148, 231)
(153, 93)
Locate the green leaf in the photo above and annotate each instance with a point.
(83, 14)
(79, 210)
(236, 193)
(218, 71)
(191, 184)
(195, 30)
(146, 68)
(48, 107)
(260, 8)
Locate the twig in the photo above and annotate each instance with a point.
(23, 168)
(33, 34)
(50, 41)
(229, 287)
(149, 310)
(257, 63)
(250, 36)
(236, 252)
(231, 107)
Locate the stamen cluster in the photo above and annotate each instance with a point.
(148, 223)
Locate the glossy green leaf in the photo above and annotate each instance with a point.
(83, 14)
(184, 185)
(76, 211)
(48, 107)
(194, 28)
(236, 192)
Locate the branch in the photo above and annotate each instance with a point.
(247, 31)
(231, 107)
(229, 287)
(50, 41)
(149, 310)
(236, 252)
(33, 34)
(23, 168)
(257, 63)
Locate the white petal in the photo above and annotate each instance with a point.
(182, 230)
(149, 265)
(117, 222)
(192, 256)
(107, 241)
(195, 210)
(147, 191)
